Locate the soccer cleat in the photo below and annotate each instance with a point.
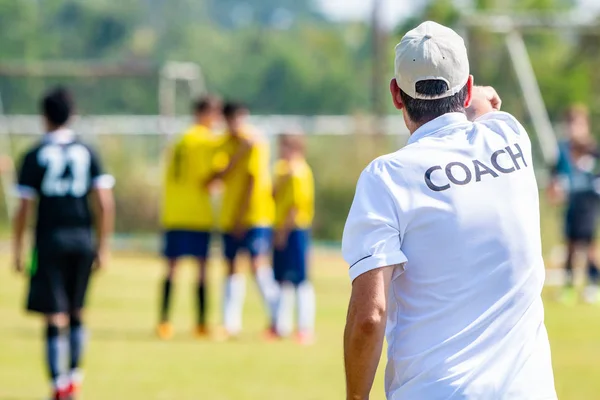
(74, 390)
(305, 338)
(201, 332)
(165, 331)
(75, 381)
(271, 335)
(222, 335)
(61, 394)
(591, 295)
(568, 296)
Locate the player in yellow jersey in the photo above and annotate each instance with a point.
(294, 204)
(187, 215)
(247, 214)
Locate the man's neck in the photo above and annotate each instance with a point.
(53, 128)
(414, 126)
(202, 122)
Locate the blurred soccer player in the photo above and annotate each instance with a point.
(187, 215)
(575, 178)
(247, 213)
(294, 209)
(60, 174)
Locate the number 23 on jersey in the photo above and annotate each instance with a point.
(57, 159)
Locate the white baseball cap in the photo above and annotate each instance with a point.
(431, 52)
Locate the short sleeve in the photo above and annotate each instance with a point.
(29, 178)
(372, 236)
(100, 179)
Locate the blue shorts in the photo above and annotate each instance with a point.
(581, 217)
(180, 243)
(257, 241)
(290, 264)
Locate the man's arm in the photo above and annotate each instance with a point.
(365, 329)
(484, 100)
(245, 147)
(104, 207)
(19, 227)
(238, 227)
(281, 235)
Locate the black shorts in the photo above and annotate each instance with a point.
(59, 280)
(582, 217)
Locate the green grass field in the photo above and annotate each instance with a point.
(126, 362)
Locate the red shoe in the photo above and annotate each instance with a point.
(61, 394)
(271, 334)
(305, 338)
(73, 391)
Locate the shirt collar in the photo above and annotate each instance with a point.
(60, 136)
(438, 124)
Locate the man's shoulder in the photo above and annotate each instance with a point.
(501, 120)
(396, 160)
(32, 152)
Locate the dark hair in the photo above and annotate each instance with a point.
(57, 106)
(205, 104)
(422, 111)
(232, 108)
(296, 140)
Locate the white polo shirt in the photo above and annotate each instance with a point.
(457, 211)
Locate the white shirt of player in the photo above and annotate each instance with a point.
(457, 211)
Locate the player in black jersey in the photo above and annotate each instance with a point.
(64, 178)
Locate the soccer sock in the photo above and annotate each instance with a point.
(569, 270)
(77, 338)
(593, 273)
(166, 300)
(306, 307)
(201, 304)
(269, 289)
(54, 353)
(285, 311)
(235, 292)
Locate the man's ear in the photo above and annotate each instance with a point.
(395, 92)
(469, 98)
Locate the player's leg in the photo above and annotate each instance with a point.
(568, 294)
(235, 287)
(47, 295)
(285, 306)
(77, 342)
(258, 242)
(201, 303)
(570, 256)
(591, 294)
(304, 288)
(173, 244)
(56, 326)
(77, 276)
(201, 254)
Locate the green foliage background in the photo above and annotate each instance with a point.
(278, 56)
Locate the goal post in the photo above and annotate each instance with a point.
(512, 27)
(168, 76)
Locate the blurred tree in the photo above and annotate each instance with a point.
(282, 58)
(273, 13)
(561, 80)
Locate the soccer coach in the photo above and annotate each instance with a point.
(443, 243)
